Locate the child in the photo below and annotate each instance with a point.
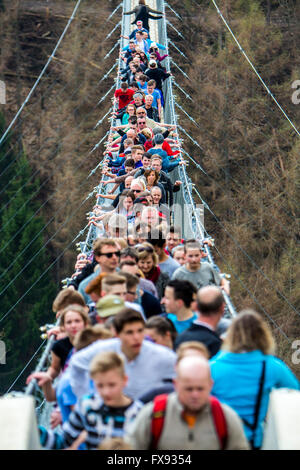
(107, 414)
(148, 134)
(64, 394)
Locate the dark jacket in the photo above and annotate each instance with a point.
(159, 75)
(142, 13)
(152, 113)
(168, 186)
(202, 334)
(161, 284)
(150, 304)
(149, 396)
(86, 271)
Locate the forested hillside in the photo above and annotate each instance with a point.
(247, 150)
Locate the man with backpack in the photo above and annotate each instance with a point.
(190, 418)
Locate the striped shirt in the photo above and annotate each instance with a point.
(98, 420)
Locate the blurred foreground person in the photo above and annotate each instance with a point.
(192, 419)
(247, 355)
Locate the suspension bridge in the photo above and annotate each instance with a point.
(187, 213)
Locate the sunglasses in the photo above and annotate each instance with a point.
(136, 190)
(110, 255)
(145, 248)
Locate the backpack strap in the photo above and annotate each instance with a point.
(158, 418)
(219, 421)
(253, 426)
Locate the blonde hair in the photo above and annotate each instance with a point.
(90, 334)
(74, 308)
(121, 242)
(195, 345)
(140, 181)
(249, 332)
(105, 362)
(114, 443)
(146, 132)
(111, 280)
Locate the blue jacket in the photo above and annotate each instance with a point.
(236, 383)
(168, 163)
(118, 162)
(160, 46)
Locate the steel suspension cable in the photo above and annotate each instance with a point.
(42, 72)
(254, 69)
(250, 258)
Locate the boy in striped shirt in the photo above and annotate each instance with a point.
(107, 414)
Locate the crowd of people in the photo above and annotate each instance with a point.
(145, 355)
(139, 338)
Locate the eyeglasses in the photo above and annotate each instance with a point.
(136, 190)
(141, 112)
(142, 122)
(110, 255)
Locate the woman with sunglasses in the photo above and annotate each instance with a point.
(148, 263)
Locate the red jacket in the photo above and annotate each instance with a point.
(125, 97)
(165, 146)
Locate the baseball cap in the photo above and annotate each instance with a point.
(109, 305)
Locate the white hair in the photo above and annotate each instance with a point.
(140, 181)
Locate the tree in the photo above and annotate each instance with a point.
(18, 249)
(6, 164)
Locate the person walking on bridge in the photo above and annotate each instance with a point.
(186, 419)
(142, 13)
(247, 360)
